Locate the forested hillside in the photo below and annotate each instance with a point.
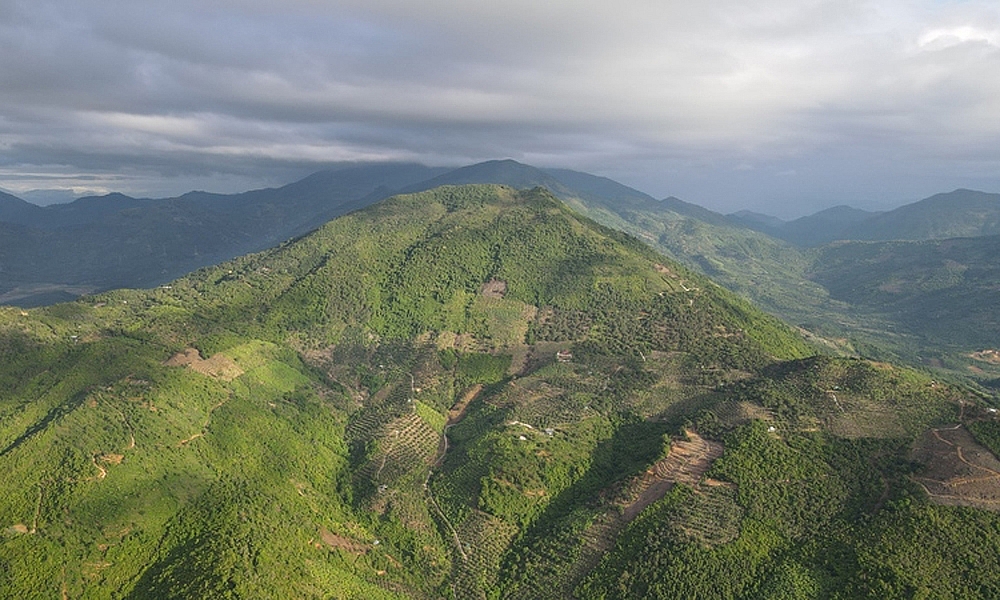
(102, 242)
(473, 392)
(58, 252)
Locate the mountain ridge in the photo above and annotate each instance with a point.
(150, 244)
(468, 392)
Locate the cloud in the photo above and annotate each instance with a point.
(666, 93)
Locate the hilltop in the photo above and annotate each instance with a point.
(102, 242)
(59, 252)
(468, 392)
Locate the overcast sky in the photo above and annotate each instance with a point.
(781, 106)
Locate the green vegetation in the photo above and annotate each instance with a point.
(925, 303)
(940, 292)
(471, 392)
(988, 434)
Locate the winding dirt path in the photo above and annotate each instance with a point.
(102, 472)
(958, 469)
(387, 453)
(455, 415)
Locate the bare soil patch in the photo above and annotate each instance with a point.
(988, 355)
(217, 366)
(663, 270)
(340, 542)
(957, 470)
(111, 458)
(687, 463)
(494, 288)
(457, 412)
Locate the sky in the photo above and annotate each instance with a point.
(779, 106)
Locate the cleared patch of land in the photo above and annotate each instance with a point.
(217, 366)
(988, 355)
(339, 542)
(687, 462)
(957, 470)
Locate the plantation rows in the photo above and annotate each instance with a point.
(388, 404)
(710, 517)
(403, 444)
(484, 540)
(731, 414)
(686, 463)
(688, 459)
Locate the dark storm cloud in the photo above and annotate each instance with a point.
(789, 102)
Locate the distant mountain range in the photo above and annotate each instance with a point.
(117, 241)
(961, 213)
(812, 230)
(103, 242)
(54, 253)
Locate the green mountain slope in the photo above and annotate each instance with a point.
(470, 392)
(16, 211)
(944, 290)
(768, 271)
(816, 229)
(97, 243)
(252, 469)
(928, 303)
(961, 213)
(52, 254)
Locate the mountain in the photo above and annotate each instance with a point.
(825, 226)
(88, 209)
(828, 290)
(961, 213)
(756, 220)
(105, 242)
(603, 191)
(503, 172)
(769, 271)
(686, 209)
(98, 243)
(813, 230)
(471, 392)
(942, 290)
(17, 211)
(47, 197)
